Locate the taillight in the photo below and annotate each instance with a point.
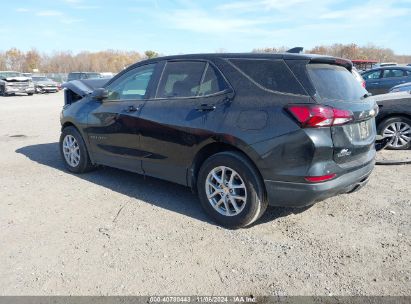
(314, 116)
(318, 179)
(363, 84)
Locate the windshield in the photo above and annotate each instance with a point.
(10, 74)
(40, 79)
(333, 82)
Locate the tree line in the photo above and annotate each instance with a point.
(65, 61)
(351, 51)
(116, 60)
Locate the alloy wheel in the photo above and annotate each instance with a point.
(399, 132)
(226, 191)
(71, 150)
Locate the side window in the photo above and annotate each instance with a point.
(181, 79)
(212, 83)
(408, 73)
(273, 75)
(372, 75)
(131, 85)
(393, 73)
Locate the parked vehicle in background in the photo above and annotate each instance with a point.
(244, 130)
(385, 64)
(57, 77)
(363, 65)
(381, 80)
(42, 84)
(394, 119)
(358, 76)
(82, 75)
(401, 87)
(14, 82)
(106, 75)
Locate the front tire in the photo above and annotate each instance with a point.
(399, 130)
(231, 190)
(73, 151)
(3, 92)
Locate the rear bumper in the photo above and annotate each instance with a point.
(291, 194)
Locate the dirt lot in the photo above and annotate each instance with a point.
(112, 232)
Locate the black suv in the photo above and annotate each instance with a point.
(243, 130)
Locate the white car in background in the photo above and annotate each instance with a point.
(12, 83)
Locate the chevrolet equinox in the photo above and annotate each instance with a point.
(242, 130)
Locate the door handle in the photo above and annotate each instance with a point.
(131, 109)
(206, 108)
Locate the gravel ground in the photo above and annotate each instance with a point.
(111, 232)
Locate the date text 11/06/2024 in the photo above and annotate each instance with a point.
(202, 299)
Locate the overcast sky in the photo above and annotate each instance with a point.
(187, 26)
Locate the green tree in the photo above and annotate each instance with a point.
(151, 54)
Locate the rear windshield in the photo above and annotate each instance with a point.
(333, 82)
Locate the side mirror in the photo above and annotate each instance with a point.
(99, 94)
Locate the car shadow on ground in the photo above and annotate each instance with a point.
(160, 193)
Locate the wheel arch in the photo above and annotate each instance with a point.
(85, 139)
(69, 124)
(216, 147)
(391, 115)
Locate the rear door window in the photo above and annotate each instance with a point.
(181, 79)
(392, 73)
(273, 75)
(212, 83)
(333, 82)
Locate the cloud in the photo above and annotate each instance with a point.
(22, 10)
(86, 7)
(265, 5)
(379, 10)
(49, 13)
(200, 21)
(70, 20)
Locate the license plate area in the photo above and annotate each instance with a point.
(364, 129)
(359, 131)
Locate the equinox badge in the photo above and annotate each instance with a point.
(344, 152)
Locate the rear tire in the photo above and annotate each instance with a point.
(231, 190)
(74, 152)
(399, 129)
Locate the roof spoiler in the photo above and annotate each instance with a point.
(296, 50)
(333, 60)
